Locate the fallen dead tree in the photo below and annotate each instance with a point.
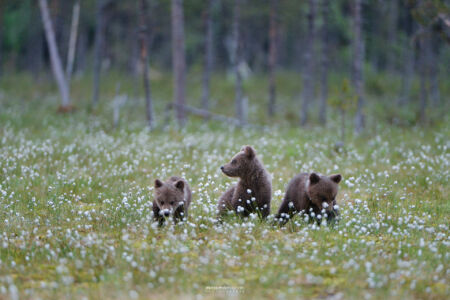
(207, 115)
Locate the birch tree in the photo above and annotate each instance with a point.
(423, 71)
(72, 40)
(208, 55)
(273, 30)
(358, 59)
(178, 60)
(2, 5)
(54, 56)
(98, 45)
(143, 36)
(324, 63)
(237, 59)
(308, 73)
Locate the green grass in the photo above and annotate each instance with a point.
(75, 198)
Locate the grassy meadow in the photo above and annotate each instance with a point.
(76, 194)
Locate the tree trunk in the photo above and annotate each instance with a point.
(407, 76)
(98, 46)
(392, 16)
(73, 40)
(179, 60)
(358, 60)
(273, 34)
(54, 55)
(82, 51)
(208, 56)
(324, 65)
(1, 38)
(145, 62)
(408, 60)
(237, 55)
(435, 95)
(308, 73)
(35, 44)
(134, 58)
(62, 28)
(423, 73)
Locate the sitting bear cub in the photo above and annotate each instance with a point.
(253, 191)
(312, 194)
(172, 198)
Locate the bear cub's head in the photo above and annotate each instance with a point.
(322, 190)
(169, 196)
(241, 163)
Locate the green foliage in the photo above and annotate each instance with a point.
(343, 97)
(384, 40)
(426, 12)
(75, 200)
(16, 22)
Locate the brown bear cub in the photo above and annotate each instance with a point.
(311, 194)
(172, 198)
(253, 191)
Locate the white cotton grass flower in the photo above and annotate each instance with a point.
(99, 204)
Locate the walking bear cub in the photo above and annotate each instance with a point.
(172, 198)
(312, 194)
(253, 191)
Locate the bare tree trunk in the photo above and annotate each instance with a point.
(237, 54)
(273, 33)
(73, 40)
(134, 58)
(324, 65)
(434, 69)
(392, 16)
(308, 82)
(423, 73)
(407, 76)
(54, 54)
(98, 45)
(81, 52)
(208, 57)
(358, 60)
(1, 38)
(408, 62)
(145, 62)
(35, 44)
(179, 60)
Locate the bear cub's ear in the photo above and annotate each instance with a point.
(249, 151)
(179, 184)
(336, 178)
(314, 178)
(158, 183)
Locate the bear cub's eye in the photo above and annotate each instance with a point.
(172, 202)
(162, 202)
(233, 161)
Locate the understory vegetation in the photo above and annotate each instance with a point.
(76, 194)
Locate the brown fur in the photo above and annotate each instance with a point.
(254, 182)
(172, 198)
(310, 197)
